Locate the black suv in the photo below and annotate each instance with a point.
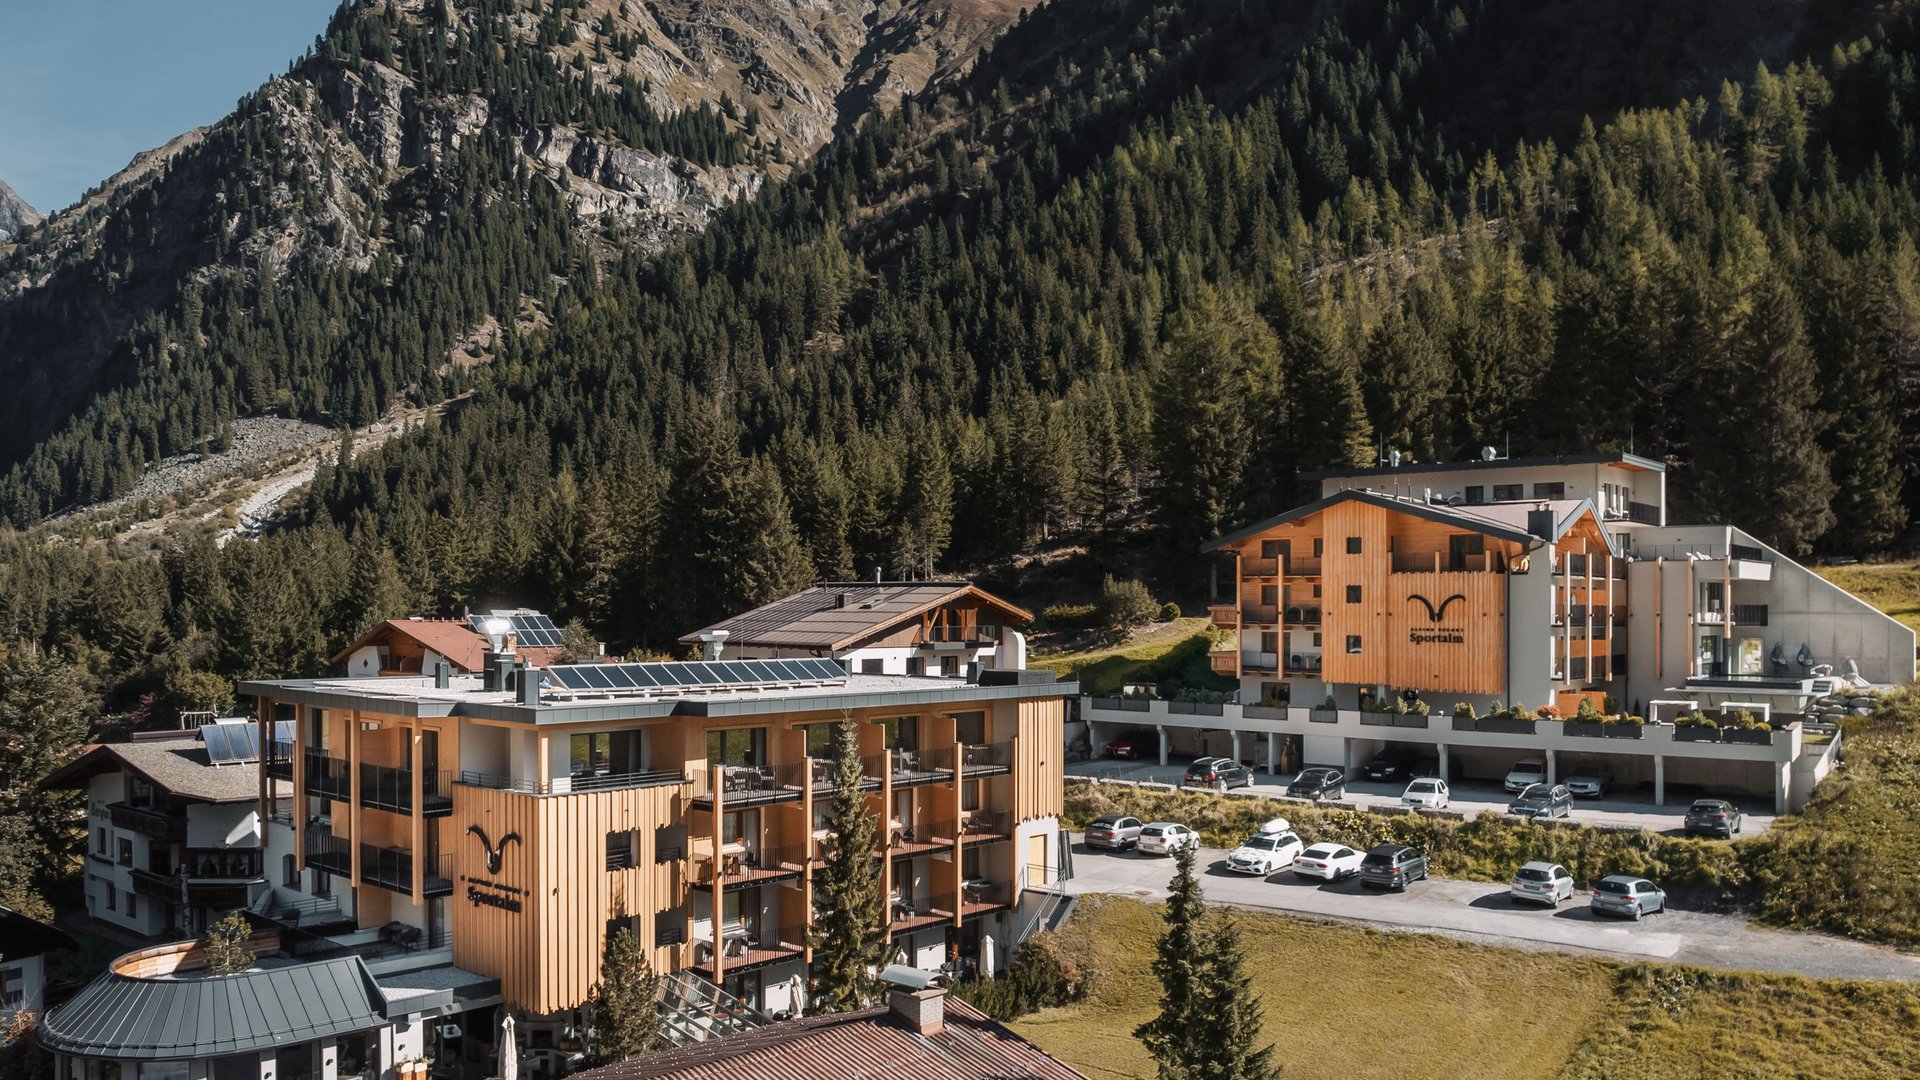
(1318, 783)
(1396, 763)
(1392, 866)
(1219, 772)
(1714, 816)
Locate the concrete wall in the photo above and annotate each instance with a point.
(1582, 481)
(1529, 632)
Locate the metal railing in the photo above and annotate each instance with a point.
(981, 823)
(1750, 614)
(328, 852)
(979, 896)
(1261, 614)
(986, 758)
(1302, 566)
(567, 785)
(329, 776)
(156, 824)
(1643, 513)
(384, 787)
(1259, 567)
(961, 635)
(392, 868)
(748, 868)
(1747, 551)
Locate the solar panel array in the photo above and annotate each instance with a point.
(238, 742)
(658, 678)
(530, 628)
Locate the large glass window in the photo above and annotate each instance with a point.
(163, 1070)
(605, 753)
(819, 740)
(971, 728)
(295, 1062)
(903, 732)
(240, 1067)
(737, 746)
(355, 1055)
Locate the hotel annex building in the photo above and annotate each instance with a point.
(1540, 581)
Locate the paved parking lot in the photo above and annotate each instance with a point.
(1482, 911)
(1470, 797)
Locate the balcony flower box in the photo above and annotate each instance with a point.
(1413, 720)
(1503, 725)
(1264, 712)
(1695, 733)
(1377, 719)
(1619, 731)
(1586, 729)
(1324, 716)
(1196, 708)
(1752, 737)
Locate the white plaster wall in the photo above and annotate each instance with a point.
(224, 825)
(365, 662)
(1529, 636)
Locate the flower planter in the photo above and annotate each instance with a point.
(1264, 712)
(1620, 731)
(1503, 725)
(1742, 735)
(1413, 720)
(1466, 723)
(1376, 719)
(1195, 708)
(1324, 716)
(1696, 734)
(1586, 729)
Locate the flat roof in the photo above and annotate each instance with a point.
(466, 696)
(1633, 462)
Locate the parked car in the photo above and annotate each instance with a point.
(1426, 793)
(1525, 775)
(1624, 894)
(1717, 817)
(1542, 883)
(1134, 746)
(1392, 866)
(1393, 763)
(1115, 832)
(1273, 848)
(1590, 781)
(1543, 801)
(1219, 772)
(1318, 783)
(1329, 862)
(1166, 837)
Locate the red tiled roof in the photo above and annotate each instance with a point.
(868, 1043)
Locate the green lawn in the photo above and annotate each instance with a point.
(1345, 1002)
(1893, 587)
(1175, 649)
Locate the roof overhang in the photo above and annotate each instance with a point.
(1429, 511)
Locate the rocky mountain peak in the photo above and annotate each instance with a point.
(15, 214)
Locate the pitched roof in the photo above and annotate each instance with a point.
(21, 936)
(169, 1017)
(869, 1042)
(454, 639)
(835, 615)
(1506, 520)
(176, 766)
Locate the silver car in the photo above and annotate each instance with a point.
(1624, 894)
(1115, 832)
(1542, 883)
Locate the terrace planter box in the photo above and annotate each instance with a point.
(1113, 703)
(1376, 719)
(1620, 731)
(1195, 708)
(1414, 720)
(1696, 734)
(1752, 738)
(1466, 723)
(1503, 725)
(1586, 729)
(1136, 704)
(1324, 716)
(1264, 712)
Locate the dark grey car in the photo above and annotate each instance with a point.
(1318, 783)
(1218, 772)
(1716, 817)
(1543, 801)
(1115, 832)
(1393, 866)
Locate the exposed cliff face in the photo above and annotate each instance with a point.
(15, 214)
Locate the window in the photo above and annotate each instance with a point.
(289, 871)
(970, 728)
(916, 666)
(1476, 494)
(1269, 549)
(737, 746)
(1353, 545)
(356, 1055)
(1316, 639)
(1553, 490)
(603, 753)
(100, 841)
(113, 897)
(13, 987)
(819, 740)
(163, 1070)
(970, 795)
(737, 826)
(125, 856)
(1619, 665)
(133, 906)
(620, 850)
(1353, 643)
(669, 843)
(1353, 594)
(322, 883)
(1509, 492)
(950, 666)
(1269, 594)
(1318, 545)
(1269, 641)
(139, 793)
(873, 667)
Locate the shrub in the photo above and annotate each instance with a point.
(1069, 616)
(1462, 709)
(1741, 719)
(1418, 707)
(1126, 604)
(1169, 611)
(1636, 721)
(225, 946)
(1587, 712)
(1043, 976)
(1328, 705)
(1548, 712)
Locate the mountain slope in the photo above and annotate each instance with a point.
(15, 214)
(430, 168)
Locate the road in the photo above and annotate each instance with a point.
(1480, 911)
(1470, 797)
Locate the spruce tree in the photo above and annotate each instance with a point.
(1228, 1044)
(848, 939)
(625, 1004)
(1179, 964)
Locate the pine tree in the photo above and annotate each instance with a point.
(1179, 965)
(769, 560)
(1230, 1039)
(847, 936)
(625, 1004)
(225, 945)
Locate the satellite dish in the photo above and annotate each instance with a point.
(1488, 453)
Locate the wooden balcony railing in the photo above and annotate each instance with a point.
(1225, 616)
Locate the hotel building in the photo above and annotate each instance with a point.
(481, 837)
(1541, 581)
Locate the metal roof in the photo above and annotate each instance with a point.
(1507, 520)
(836, 615)
(1632, 462)
(870, 1042)
(464, 648)
(167, 1018)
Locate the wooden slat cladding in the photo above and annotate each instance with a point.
(1369, 568)
(1446, 631)
(1039, 782)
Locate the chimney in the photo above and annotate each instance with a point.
(713, 643)
(1540, 523)
(528, 684)
(923, 1012)
(442, 675)
(496, 665)
(839, 600)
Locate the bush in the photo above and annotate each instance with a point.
(1043, 976)
(1127, 604)
(1586, 712)
(193, 691)
(1070, 616)
(1548, 712)
(1169, 611)
(1463, 710)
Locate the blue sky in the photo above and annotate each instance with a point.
(87, 84)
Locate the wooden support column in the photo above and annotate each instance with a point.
(263, 711)
(886, 834)
(1591, 557)
(811, 847)
(353, 800)
(959, 832)
(1659, 601)
(718, 907)
(417, 820)
(1239, 617)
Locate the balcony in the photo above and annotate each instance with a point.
(1302, 615)
(569, 785)
(1258, 662)
(279, 761)
(1257, 568)
(985, 826)
(1222, 662)
(746, 868)
(152, 823)
(1303, 567)
(1643, 513)
(1260, 614)
(748, 949)
(213, 878)
(328, 852)
(910, 916)
(910, 768)
(964, 636)
(1303, 663)
(328, 777)
(979, 898)
(906, 843)
(1224, 616)
(1749, 614)
(392, 869)
(390, 789)
(989, 759)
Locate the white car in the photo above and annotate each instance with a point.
(1166, 837)
(1525, 775)
(1426, 793)
(1542, 883)
(1271, 849)
(1329, 862)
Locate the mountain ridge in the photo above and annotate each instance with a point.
(15, 214)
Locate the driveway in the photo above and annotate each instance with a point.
(1470, 797)
(1481, 911)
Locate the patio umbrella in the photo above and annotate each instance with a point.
(509, 1050)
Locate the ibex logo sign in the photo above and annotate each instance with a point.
(493, 894)
(1434, 633)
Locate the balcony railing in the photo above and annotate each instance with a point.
(155, 824)
(1302, 567)
(909, 767)
(391, 789)
(392, 869)
(987, 759)
(981, 826)
(1747, 551)
(1643, 513)
(1225, 616)
(328, 852)
(746, 869)
(960, 635)
(1750, 614)
(984, 897)
(1261, 614)
(567, 785)
(1259, 567)
(328, 776)
(1303, 663)
(1222, 662)
(279, 761)
(1259, 661)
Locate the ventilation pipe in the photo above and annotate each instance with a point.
(712, 644)
(528, 684)
(442, 674)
